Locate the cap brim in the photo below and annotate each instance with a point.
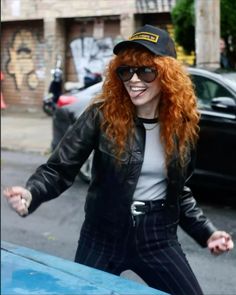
(127, 44)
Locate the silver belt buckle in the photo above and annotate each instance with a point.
(134, 210)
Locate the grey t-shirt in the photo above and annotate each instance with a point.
(152, 182)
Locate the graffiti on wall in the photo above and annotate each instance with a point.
(21, 63)
(92, 54)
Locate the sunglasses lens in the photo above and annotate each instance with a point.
(146, 74)
(125, 73)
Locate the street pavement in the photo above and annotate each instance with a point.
(26, 131)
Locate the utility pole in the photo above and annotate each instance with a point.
(207, 32)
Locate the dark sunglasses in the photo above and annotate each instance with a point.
(146, 74)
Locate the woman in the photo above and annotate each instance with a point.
(143, 129)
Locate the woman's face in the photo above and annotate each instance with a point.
(144, 95)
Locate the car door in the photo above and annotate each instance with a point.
(216, 150)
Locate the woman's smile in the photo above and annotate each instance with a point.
(136, 91)
(145, 96)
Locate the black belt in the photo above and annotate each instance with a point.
(143, 207)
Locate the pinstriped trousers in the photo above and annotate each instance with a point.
(150, 249)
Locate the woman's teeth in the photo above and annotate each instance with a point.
(138, 88)
(137, 91)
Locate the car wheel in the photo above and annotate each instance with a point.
(85, 170)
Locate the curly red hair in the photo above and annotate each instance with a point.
(177, 109)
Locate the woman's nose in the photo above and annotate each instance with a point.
(135, 78)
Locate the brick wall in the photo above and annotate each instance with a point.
(34, 9)
(38, 9)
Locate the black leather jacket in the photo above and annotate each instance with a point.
(112, 186)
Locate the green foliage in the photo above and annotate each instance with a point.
(184, 24)
(228, 21)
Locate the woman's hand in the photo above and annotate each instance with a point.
(220, 242)
(19, 199)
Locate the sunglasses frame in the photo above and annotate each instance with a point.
(137, 71)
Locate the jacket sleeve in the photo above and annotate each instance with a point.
(192, 219)
(59, 172)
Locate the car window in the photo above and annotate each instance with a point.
(206, 89)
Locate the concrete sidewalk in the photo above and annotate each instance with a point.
(26, 131)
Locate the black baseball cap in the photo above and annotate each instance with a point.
(152, 38)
